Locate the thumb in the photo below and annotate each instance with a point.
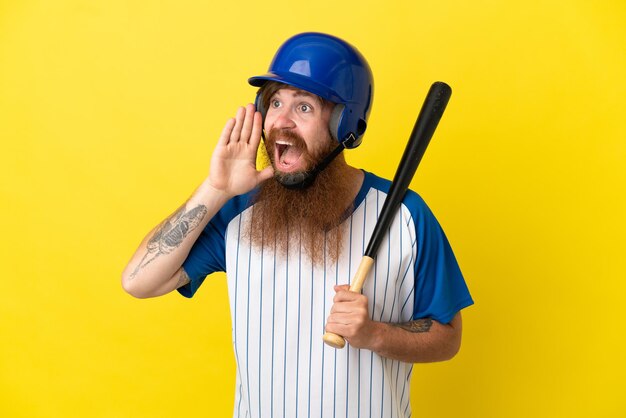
(265, 174)
(340, 287)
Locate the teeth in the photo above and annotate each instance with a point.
(284, 143)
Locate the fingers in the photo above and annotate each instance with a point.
(348, 308)
(344, 294)
(349, 316)
(346, 318)
(257, 128)
(235, 134)
(247, 126)
(225, 135)
(349, 302)
(349, 324)
(248, 121)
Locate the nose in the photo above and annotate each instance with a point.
(284, 119)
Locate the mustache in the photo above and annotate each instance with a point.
(276, 133)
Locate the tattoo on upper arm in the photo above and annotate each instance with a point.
(418, 325)
(170, 234)
(183, 278)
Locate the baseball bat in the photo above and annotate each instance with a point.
(425, 125)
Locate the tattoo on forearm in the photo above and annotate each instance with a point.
(170, 234)
(183, 279)
(418, 325)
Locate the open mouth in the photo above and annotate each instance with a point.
(286, 155)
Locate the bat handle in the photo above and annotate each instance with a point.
(365, 266)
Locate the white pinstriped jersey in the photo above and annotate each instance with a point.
(279, 307)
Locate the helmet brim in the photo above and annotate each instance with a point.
(299, 82)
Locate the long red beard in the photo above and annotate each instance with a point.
(284, 218)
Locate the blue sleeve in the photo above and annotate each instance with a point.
(208, 254)
(440, 289)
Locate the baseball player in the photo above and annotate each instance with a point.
(290, 237)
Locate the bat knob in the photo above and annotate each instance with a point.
(334, 340)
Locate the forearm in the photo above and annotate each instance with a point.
(417, 341)
(154, 269)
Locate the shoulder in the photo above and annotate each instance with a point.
(412, 200)
(373, 181)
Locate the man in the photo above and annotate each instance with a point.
(290, 237)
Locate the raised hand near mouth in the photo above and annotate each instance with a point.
(233, 163)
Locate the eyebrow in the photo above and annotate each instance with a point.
(301, 93)
(304, 93)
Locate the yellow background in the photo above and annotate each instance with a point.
(109, 111)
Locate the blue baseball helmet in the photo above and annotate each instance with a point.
(332, 69)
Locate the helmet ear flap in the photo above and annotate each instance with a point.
(335, 121)
(339, 126)
(258, 104)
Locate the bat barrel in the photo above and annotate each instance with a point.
(425, 125)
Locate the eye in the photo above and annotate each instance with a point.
(275, 103)
(305, 108)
